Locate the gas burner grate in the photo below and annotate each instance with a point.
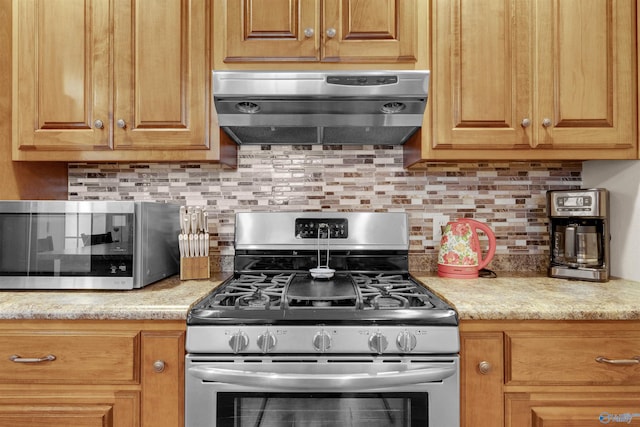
(253, 291)
(390, 291)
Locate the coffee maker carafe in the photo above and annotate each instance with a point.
(579, 234)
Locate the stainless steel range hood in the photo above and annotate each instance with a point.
(320, 107)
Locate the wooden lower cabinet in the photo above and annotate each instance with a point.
(542, 409)
(482, 378)
(550, 373)
(92, 373)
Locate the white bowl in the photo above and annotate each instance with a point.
(322, 272)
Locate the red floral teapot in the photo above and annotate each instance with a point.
(460, 254)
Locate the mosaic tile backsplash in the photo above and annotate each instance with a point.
(509, 196)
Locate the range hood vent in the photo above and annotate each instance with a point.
(320, 107)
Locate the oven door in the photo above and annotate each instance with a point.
(307, 391)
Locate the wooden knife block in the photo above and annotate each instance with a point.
(194, 268)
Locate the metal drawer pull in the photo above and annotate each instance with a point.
(633, 361)
(17, 359)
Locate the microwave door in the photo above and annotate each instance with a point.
(14, 244)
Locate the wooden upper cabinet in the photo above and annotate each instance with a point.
(61, 76)
(587, 78)
(161, 73)
(105, 80)
(532, 79)
(356, 31)
(271, 30)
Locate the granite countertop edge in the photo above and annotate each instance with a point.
(510, 296)
(168, 299)
(531, 296)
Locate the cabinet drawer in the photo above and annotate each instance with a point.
(88, 357)
(570, 358)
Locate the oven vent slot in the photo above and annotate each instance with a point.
(208, 361)
(427, 360)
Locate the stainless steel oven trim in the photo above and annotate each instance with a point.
(327, 376)
(443, 391)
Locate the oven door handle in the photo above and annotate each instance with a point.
(322, 382)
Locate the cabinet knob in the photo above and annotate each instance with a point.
(98, 124)
(484, 367)
(331, 32)
(158, 366)
(546, 122)
(308, 32)
(526, 122)
(121, 124)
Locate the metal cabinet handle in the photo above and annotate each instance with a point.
(484, 367)
(331, 33)
(308, 32)
(526, 122)
(17, 359)
(546, 122)
(158, 366)
(121, 124)
(98, 124)
(633, 361)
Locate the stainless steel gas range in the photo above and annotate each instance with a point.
(322, 325)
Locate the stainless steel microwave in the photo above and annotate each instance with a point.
(87, 244)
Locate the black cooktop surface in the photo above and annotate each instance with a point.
(345, 298)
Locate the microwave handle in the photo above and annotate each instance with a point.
(322, 382)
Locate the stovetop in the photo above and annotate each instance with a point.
(346, 298)
(273, 305)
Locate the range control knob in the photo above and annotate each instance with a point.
(406, 341)
(322, 341)
(267, 342)
(238, 342)
(378, 343)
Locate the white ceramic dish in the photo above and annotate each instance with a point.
(322, 272)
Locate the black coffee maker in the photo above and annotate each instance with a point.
(579, 234)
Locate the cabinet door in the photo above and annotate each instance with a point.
(586, 89)
(271, 30)
(163, 379)
(481, 88)
(571, 409)
(369, 31)
(83, 407)
(77, 415)
(61, 75)
(161, 75)
(372, 31)
(482, 376)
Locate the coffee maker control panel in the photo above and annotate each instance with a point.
(582, 203)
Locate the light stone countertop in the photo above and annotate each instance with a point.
(513, 296)
(168, 299)
(510, 296)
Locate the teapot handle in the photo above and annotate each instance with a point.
(482, 262)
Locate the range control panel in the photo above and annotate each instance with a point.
(308, 228)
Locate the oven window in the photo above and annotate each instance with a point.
(322, 409)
